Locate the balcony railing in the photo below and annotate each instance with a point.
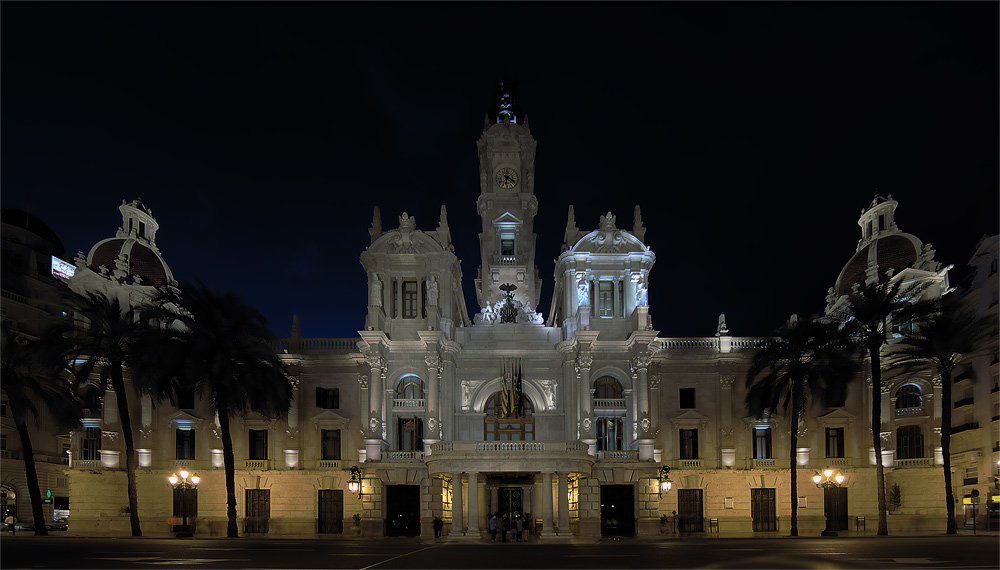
(525, 447)
(763, 463)
(258, 464)
(318, 344)
(403, 455)
(963, 402)
(609, 403)
(690, 463)
(837, 461)
(409, 403)
(9, 454)
(618, 455)
(915, 462)
(909, 411)
(87, 464)
(508, 260)
(328, 464)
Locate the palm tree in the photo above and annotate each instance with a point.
(808, 358)
(100, 337)
(224, 349)
(866, 316)
(939, 342)
(25, 383)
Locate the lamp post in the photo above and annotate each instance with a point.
(185, 485)
(828, 482)
(355, 483)
(664, 477)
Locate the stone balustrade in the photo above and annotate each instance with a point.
(609, 403)
(915, 462)
(257, 464)
(527, 456)
(408, 403)
(618, 455)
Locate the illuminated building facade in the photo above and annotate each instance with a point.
(567, 420)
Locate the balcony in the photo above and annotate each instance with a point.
(618, 455)
(9, 454)
(87, 464)
(408, 403)
(609, 403)
(402, 456)
(909, 411)
(965, 375)
(507, 456)
(764, 463)
(690, 463)
(508, 260)
(915, 462)
(963, 402)
(257, 464)
(838, 461)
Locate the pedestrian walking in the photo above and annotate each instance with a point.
(493, 527)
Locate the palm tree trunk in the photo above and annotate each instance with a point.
(34, 492)
(118, 383)
(794, 444)
(876, 363)
(232, 531)
(946, 409)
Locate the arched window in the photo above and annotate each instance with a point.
(909, 397)
(909, 442)
(607, 387)
(409, 388)
(498, 428)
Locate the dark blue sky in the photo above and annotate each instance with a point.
(262, 134)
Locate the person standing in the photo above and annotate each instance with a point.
(520, 528)
(9, 521)
(493, 527)
(504, 527)
(438, 526)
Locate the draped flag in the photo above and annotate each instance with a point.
(518, 393)
(504, 394)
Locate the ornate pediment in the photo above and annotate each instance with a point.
(837, 418)
(184, 420)
(329, 420)
(690, 419)
(405, 239)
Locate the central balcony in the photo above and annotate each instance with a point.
(509, 456)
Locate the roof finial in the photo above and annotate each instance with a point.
(506, 109)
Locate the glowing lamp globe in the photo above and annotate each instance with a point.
(173, 479)
(195, 479)
(816, 479)
(840, 479)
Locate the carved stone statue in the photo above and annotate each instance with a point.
(641, 293)
(432, 292)
(375, 298)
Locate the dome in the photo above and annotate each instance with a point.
(896, 252)
(141, 261)
(29, 222)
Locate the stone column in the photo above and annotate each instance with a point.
(474, 503)
(583, 363)
(563, 490)
(644, 428)
(373, 447)
(570, 388)
(546, 504)
(457, 526)
(448, 389)
(433, 361)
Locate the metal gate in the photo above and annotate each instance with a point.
(835, 501)
(258, 510)
(509, 502)
(185, 505)
(762, 510)
(331, 511)
(689, 511)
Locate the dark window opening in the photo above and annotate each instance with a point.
(506, 247)
(258, 444)
(835, 442)
(909, 442)
(90, 446)
(409, 299)
(689, 443)
(762, 443)
(185, 443)
(687, 398)
(330, 444)
(328, 398)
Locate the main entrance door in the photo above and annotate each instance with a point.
(762, 510)
(689, 511)
(331, 511)
(835, 500)
(617, 510)
(402, 510)
(258, 510)
(510, 502)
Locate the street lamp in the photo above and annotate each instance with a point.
(829, 482)
(185, 485)
(664, 477)
(355, 483)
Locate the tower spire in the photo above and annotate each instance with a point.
(506, 109)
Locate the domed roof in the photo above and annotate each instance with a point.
(29, 222)
(896, 252)
(141, 261)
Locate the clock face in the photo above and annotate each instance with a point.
(506, 178)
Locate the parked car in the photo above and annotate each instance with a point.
(26, 526)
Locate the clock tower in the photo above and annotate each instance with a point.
(507, 206)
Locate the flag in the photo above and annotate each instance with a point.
(504, 395)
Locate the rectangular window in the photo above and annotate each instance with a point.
(328, 398)
(423, 299)
(395, 298)
(687, 398)
(506, 247)
(142, 229)
(609, 434)
(3, 442)
(409, 299)
(411, 434)
(258, 444)
(606, 298)
(621, 298)
(185, 399)
(762, 443)
(835, 442)
(881, 222)
(971, 476)
(330, 443)
(90, 446)
(909, 443)
(3, 408)
(185, 444)
(689, 443)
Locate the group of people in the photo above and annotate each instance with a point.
(515, 526)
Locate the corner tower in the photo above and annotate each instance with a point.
(507, 206)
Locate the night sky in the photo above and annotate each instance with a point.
(262, 135)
